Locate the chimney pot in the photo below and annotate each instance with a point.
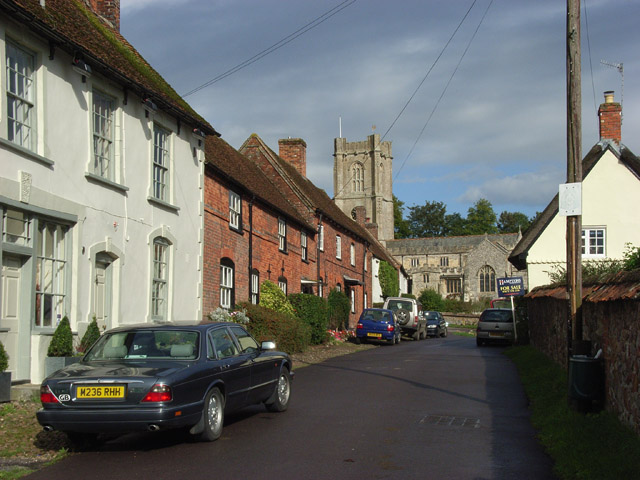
(608, 96)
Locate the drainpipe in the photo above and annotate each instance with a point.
(318, 277)
(250, 242)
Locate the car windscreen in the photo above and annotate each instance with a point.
(431, 315)
(146, 344)
(496, 316)
(376, 315)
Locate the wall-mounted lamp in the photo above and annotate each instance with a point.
(81, 68)
(149, 107)
(199, 134)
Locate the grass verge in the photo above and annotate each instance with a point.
(592, 446)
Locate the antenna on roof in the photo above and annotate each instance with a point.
(620, 68)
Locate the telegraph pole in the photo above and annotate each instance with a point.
(574, 171)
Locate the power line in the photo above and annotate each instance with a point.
(433, 111)
(276, 46)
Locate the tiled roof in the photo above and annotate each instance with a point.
(518, 256)
(459, 244)
(223, 158)
(70, 25)
(318, 200)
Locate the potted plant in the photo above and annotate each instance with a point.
(60, 352)
(90, 336)
(5, 377)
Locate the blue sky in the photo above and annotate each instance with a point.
(492, 104)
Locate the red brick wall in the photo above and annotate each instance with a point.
(109, 9)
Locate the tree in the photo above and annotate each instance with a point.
(481, 218)
(455, 225)
(388, 277)
(427, 220)
(401, 225)
(512, 222)
(431, 300)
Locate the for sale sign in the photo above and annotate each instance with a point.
(510, 287)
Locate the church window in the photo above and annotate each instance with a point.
(357, 177)
(487, 279)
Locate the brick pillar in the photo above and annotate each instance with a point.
(610, 114)
(294, 151)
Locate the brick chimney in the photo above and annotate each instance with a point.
(109, 10)
(610, 114)
(294, 151)
(361, 215)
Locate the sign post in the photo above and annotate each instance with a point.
(511, 287)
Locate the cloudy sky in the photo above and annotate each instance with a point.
(476, 114)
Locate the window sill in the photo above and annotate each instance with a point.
(106, 182)
(26, 153)
(236, 229)
(163, 204)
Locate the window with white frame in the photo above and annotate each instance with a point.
(20, 86)
(103, 136)
(226, 283)
(235, 211)
(352, 254)
(282, 283)
(321, 238)
(593, 242)
(161, 162)
(365, 300)
(282, 235)
(16, 227)
(160, 280)
(51, 269)
(352, 294)
(303, 246)
(255, 286)
(338, 247)
(487, 277)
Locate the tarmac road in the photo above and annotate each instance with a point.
(434, 409)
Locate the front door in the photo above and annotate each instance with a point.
(102, 291)
(14, 332)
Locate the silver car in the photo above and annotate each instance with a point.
(408, 314)
(495, 325)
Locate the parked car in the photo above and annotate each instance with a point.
(377, 324)
(437, 326)
(407, 313)
(495, 325)
(156, 377)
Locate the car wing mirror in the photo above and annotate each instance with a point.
(268, 346)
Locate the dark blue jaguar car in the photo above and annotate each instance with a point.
(378, 324)
(155, 377)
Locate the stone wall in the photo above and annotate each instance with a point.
(611, 322)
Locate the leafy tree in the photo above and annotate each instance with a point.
(455, 225)
(631, 257)
(401, 225)
(481, 218)
(431, 300)
(313, 311)
(388, 277)
(427, 220)
(511, 222)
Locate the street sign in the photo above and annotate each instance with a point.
(510, 287)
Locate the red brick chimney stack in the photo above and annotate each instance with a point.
(610, 114)
(294, 151)
(109, 10)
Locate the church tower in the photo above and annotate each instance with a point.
(362, 177)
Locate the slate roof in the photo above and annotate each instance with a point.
(227, 161)
(71, 26)
(318, 201)
(461, 244)
(518, 256)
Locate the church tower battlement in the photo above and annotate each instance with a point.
(363, 177)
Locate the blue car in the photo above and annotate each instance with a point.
(378, 324)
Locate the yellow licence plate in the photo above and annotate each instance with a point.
(496, 334)
(376, 335)
(95, 392)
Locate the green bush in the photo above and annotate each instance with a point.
(631, 257)
(90, 336)
(62, 342)
(273, 298)
(4, 358)
(313, 311)
(431, 300)
(289, 332)
(339, 306)
(388, 277)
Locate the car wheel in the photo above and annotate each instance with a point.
(358, 341)
(402, 316)
(446, 332)
(279, 401)
(213, 415)
(478, 342)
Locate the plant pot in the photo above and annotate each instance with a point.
(53, 364)
(5, 387)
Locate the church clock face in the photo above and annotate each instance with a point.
(353, 213)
